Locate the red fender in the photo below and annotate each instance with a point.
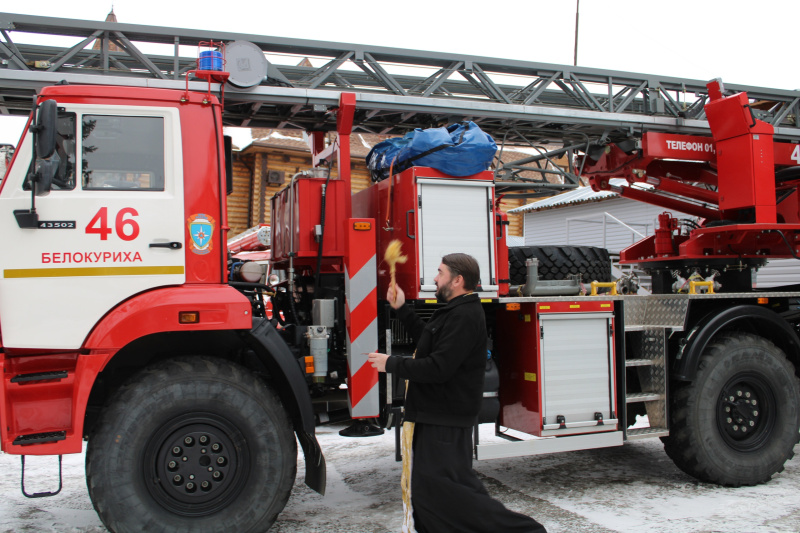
(219, 307)
(59, 405)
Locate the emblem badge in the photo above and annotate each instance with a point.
(201, 229)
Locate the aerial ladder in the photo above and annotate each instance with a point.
(557, 109)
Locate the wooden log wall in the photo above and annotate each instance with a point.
(515, 222)
(249, 204)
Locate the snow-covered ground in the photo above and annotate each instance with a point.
(633, 488)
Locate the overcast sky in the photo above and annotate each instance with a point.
(752, 43)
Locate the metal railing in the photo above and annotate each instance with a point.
(606, 216)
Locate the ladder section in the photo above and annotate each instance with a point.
(399, 89)
(646, 380)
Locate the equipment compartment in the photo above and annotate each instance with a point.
(563, 381)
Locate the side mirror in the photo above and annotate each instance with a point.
(45, 129)
(46, 161)
(46, 170)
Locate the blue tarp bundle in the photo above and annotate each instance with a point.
(460, 149)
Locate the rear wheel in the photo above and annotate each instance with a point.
(192, 444)
(560, 262)
(737, 423)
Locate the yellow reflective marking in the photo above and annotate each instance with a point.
(605, 305)
(91, 271)
(430, 301)
(530, 376)
(527, 318)
(574, 306)
(544, 307)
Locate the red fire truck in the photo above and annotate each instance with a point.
(123, 325)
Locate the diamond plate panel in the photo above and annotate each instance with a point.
(635, 309)
(654, 344)
(657, 413)
(665, 311)
(654, 377)
(650, 344)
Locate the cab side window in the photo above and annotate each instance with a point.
(64, 179)
(123, 153)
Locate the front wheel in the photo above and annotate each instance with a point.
(192, 444)
(737, 423)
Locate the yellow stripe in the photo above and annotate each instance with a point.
(91, 271)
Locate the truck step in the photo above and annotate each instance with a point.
(646, 433)
(40, 376)
(639, 362)
(41, 494)
(633, 397)
(40, 438)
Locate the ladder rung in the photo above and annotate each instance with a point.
(646, 433)
(639, 362)
(634, 397)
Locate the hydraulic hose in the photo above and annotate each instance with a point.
(321, 235)
(291, 247)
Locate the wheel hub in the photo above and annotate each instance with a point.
(197, 466)
(197, 463)
(741, 408)
(746, 412)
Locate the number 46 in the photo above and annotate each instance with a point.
(127, 229)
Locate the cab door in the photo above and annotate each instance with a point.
(111, 227)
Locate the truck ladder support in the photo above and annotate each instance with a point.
(40, 494)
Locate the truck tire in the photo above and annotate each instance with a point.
(737, 423)
(192, 444)
(560, 262)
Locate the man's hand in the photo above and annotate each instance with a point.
(378, 360)
(395, 296)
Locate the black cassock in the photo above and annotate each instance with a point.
(447, 495)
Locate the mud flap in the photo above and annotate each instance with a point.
(316, 476)
(276, 356)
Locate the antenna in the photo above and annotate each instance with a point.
(577, 10)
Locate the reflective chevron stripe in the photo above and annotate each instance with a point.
(361, 315)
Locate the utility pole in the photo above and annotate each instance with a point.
(577, 10)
